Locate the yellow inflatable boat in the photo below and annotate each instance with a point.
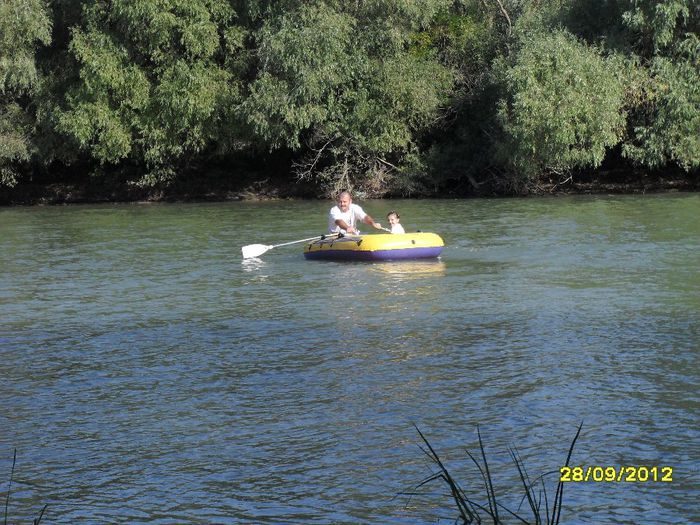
(376, 247)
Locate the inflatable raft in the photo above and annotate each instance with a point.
(376, 247)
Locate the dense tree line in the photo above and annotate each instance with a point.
(380, 95)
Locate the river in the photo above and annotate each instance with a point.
(150, 375)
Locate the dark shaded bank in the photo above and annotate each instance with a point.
(213, 186)
(224, 187)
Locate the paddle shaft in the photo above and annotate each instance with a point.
(255, 250)
(306, 240)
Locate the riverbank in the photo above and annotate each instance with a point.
(216, 188)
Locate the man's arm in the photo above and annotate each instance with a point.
(369, 220)
(344, 226)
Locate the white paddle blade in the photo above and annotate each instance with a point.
(254, 250)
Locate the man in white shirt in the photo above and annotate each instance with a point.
(345, 216)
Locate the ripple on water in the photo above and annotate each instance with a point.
(151, 376)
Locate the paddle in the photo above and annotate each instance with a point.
(256, 250)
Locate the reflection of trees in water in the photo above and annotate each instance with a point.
(410, 269)
(407, 286)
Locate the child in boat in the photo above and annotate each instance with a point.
(394, 221)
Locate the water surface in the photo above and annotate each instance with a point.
(149, 375)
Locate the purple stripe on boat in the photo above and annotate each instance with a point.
(376, 255)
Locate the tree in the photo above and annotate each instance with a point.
(562, 105)
(665, 106)
(24, 26)
(153, 84)
(339, 84)
(466, 38)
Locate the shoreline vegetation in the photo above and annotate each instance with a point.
(227, 100)
(220, 189)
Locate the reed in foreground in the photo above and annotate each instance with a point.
(493, 511)
(36, 521)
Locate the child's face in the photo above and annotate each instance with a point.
(393, 219)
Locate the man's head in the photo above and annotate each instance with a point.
(344, 201)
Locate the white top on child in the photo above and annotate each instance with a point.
(394, 219)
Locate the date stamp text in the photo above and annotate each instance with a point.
(616, 474)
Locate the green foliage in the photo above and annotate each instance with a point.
(595, 21)
(15, 127)
(152, 82)
(386, 25)
(305, 60)
(665, 111)
(659, 26)
(464, 40)
(383, 96)
(24, 25)
(562, 106)
(326, 84)
(667, 119)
